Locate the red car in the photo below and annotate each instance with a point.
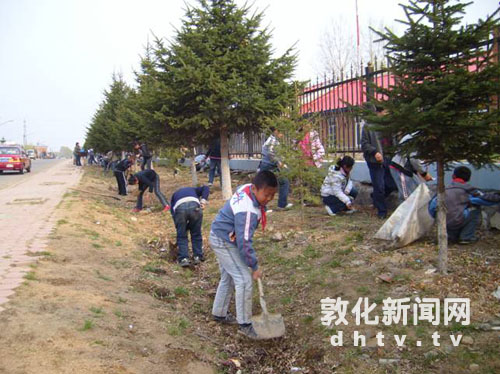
(14, 158)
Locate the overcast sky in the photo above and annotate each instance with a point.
(57, 56)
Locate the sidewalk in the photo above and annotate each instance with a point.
(26, 219)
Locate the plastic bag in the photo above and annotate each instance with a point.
(410, 221)
(495, 221)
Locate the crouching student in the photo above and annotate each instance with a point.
(148, 179)
(187, 211)
(337, 190)
(119, 172)
(231, 240)
(463, 203)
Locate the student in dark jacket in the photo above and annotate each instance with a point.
(463, 202)
(119, 172)
(148, 179)
(146, 156)
(374, 147)
(187, 210)
(76, 153)
(215, 160)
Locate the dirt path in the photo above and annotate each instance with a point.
(26, 219)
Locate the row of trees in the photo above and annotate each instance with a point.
(216, 77)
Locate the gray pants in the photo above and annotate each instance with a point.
(235, 275)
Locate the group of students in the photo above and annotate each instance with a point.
(231, 235)
(186, 204)
(388, 173)
(404, 173)
(232, 231)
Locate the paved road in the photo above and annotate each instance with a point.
(27, 205)
(38, 166)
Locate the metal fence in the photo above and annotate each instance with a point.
(330, 104)
(246, 145)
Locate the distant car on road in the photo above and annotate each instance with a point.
(31, 154)
(14, 158)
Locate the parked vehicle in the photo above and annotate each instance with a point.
(14, 158)
(31, 154)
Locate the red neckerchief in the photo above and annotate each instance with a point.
(459, 180)
(262, 208)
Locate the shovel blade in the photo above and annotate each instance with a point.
(269, 326)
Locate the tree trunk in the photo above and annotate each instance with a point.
(225, 172)
(194, 175)
(441, 221)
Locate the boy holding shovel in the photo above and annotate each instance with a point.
(231, 240)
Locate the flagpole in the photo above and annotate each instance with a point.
(357, 36)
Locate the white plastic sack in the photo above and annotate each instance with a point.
(410, 221)
(495, 221)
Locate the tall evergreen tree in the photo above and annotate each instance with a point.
(222, 76)
(116, 123)
(446, 82)
(153, 99)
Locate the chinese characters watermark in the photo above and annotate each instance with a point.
(402, 311)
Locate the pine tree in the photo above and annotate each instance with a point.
(221, 75)
(444, 92)
(153, 100)
(115, 124)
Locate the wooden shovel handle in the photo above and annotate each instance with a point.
(261, 289)
(263, 304)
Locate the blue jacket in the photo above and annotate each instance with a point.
(237, 221)
(185, 194)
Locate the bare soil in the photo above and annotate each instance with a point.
(106, 296)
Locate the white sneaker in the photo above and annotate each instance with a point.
(210, 184)
(329, 211)
(288, 206)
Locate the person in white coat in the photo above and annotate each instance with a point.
(337, 191)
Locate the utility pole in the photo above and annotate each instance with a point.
(25, 141)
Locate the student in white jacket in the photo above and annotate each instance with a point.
(337, 190)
